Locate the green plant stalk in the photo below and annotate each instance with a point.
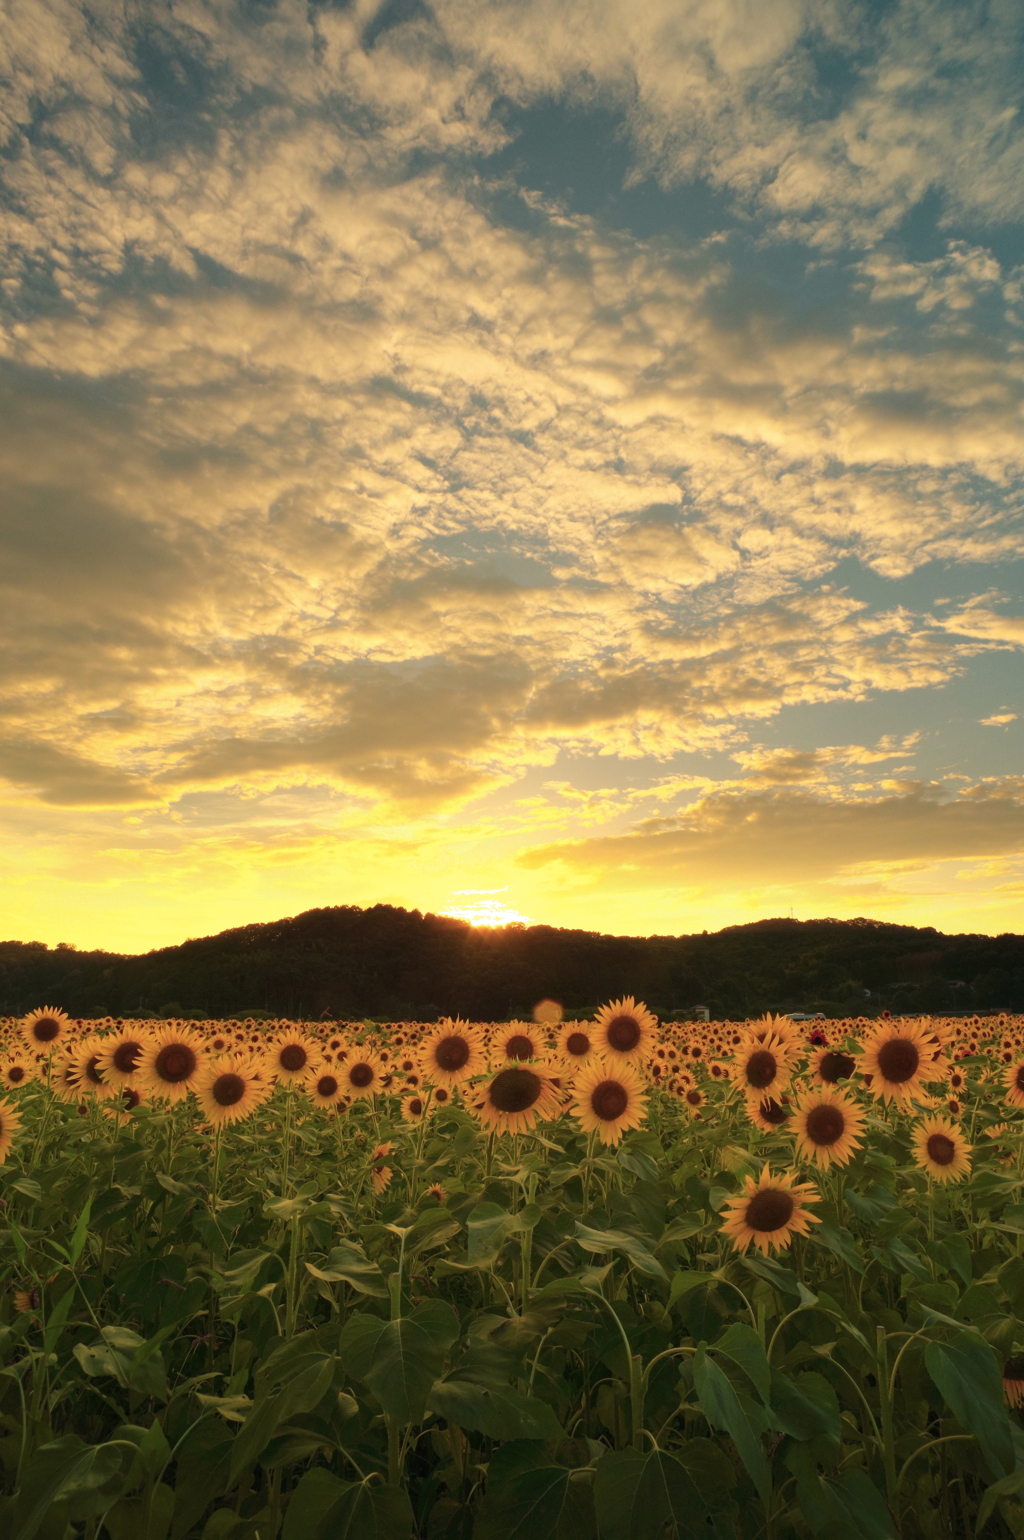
(885, 1396)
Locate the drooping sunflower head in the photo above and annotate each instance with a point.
(119, 1056)
(1013, 1380)
(769, 1113)
(576, 1041)
(229, 1088)
(762, 1066)
(170, 1062)
(609, 1097)
(10, 1122)
(516, 1043)
(44, 1028)
(361, 1073)
(941, 1150)
(831, 1065)
(828, 1126)
(769, 1212)
(899, 1058)
(453, 1052)
(291, 1056)
(516, 1098)
(623, 1029)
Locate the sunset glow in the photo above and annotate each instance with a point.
(546, 463)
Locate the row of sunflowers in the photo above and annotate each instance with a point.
(615, 1278)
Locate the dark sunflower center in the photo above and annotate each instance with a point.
(623, 1033)
(451, 1054)
(774, 1112)
(175, 1063)
(46, 1029)
(293, 1057)
(941, 1149)
(515, 1090)
(415, 1106)
(1019, 1077)
(228, 1089)
(770, 1210)
(130, 1099)
(361, 1075)
(441, 1095)
(15, 1074)
(694, 1098)
(125, 1057)
(825, 1124)
(577, 1043)
(898, 1060)
(519, 1047)
(609, 1100)
(1013, 1369)
(327, 1085)
(91, 1070)
(835, 1067)
(762, 1068)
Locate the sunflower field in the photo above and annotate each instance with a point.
(602, 1280)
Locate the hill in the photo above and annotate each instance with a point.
(396, 964)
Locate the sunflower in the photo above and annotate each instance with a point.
(517, 1043)
(380, 1177)
(360, 1075)
(828, 1126)
(623, 1029)
(898, 1056)
(437, 1192)
(17, 1070)
(63, 1077)
(941, 1149)
(416, 1107)
(831, 1065)
(453, 1052)
(1013, 1082)
(292, 1056)
(324, 1088)
(86, 1058)
(691, 1097)
(44, 1028)
(1013, 1380)
(516, 1098)
(763, 1065)
(228, 1088)
(768, 1113)
(609, 1098)
(576, 1041)
(170, 1061)
(119, 1057)
(10, 1122)
(124, 1103)
(770, 1212)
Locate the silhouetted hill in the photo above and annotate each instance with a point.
(395, 964)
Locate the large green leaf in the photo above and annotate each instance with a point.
(316, 1493)
(408, 1357)
(358, 1339)
(547, 1503)
(966, 1372)
(350, 1264)
(59, 1472)
(497, 1411)
(293, 1380)
(367, 1511)
(742, 1344)
(857, 1500)
(638, 1495)
(598, 1242)
(805, 1407)
(723, 1410)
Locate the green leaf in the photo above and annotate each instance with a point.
(966, 1372)
(57, 1318)
(81, 1230)
(601, 1241)
(742, 1344)
(724, 1412)
(350, 1264)
(57, 1471)
(434, 1227)
(638, 1495)
(1010, 1486)
(407, 1358)
(357, 1341)
(367, 1512)
(682, 1283)
(778, 1276)
(549, 1502)
(498, 1412)
(316, 1492)
(294, 1378)
(840, 1242)
(487, 1229)
(858, 1501)
(806, 1407)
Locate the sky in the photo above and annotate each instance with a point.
(554, 461)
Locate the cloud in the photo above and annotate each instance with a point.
(788, 837)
